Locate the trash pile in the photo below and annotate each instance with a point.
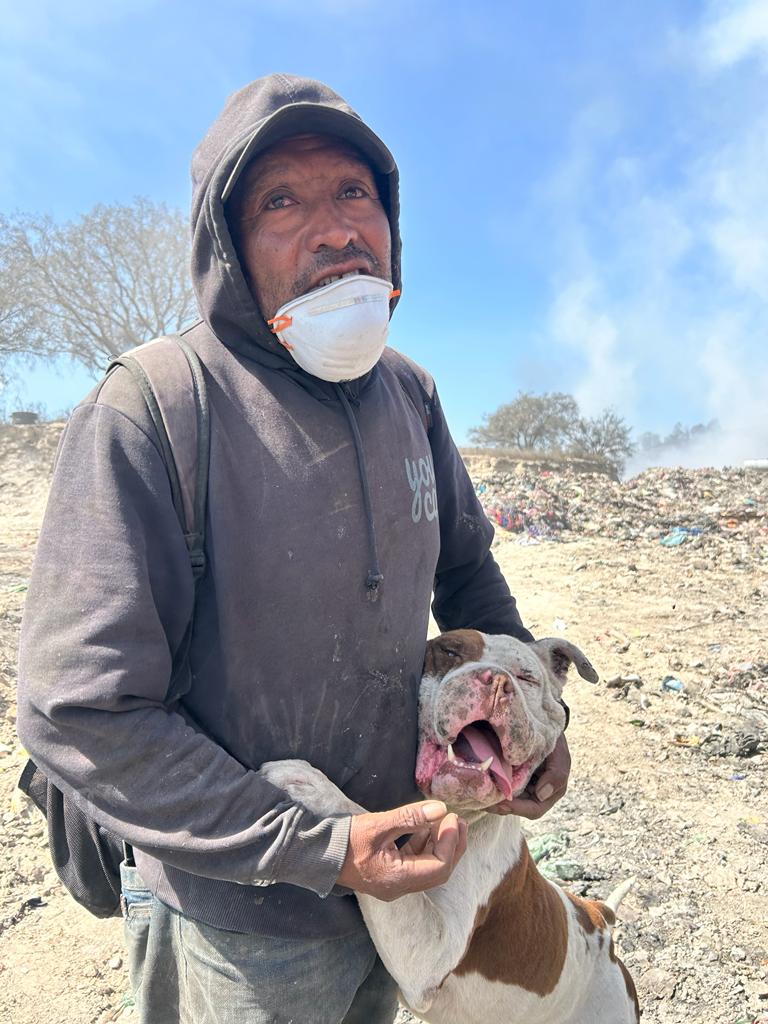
(671, 506)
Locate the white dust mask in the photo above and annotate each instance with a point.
(339, 331)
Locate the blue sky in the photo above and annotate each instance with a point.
(584, 186)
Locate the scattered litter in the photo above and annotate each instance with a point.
(672, 685)
(686, 741)
(678, 535)
(565, 870)
(551, 843)
(691, 507)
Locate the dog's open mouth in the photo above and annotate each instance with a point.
(478, 748)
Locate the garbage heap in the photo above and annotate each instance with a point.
(671, 506)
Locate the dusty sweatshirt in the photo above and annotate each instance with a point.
(293, 653)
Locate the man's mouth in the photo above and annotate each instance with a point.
(477, 748)
(330, 278)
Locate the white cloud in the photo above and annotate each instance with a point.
(736, 390)
(734, 31)
(580, 321)
(661, 279)
(734, 188)
(736, 387)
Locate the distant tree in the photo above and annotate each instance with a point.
(93, 287)
(606, 436)
(17, 318)
(648, 441)
(678, 437)
(539, 422)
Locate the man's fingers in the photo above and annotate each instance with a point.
(548, 784)
(527, 805)
(461, 846)
(375, 865)
(411, 818)
(418, 841)
(434, 867)
(552, 782)
(449, 839)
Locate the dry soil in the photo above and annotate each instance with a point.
(667, 787)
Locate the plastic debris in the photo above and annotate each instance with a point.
(548, 844)
(672, 685)
(565, 870)
(690, 507)
(678, 535)
(686, 741)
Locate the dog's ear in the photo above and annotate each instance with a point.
(452, 649)
(558, 655)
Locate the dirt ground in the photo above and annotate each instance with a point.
(668, 786)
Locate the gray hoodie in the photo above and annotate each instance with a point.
(294, 652)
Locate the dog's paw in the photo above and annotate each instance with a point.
(309, 787)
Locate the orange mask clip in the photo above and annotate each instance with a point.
(280, 323)
(394, 293)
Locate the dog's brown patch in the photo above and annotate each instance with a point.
(631, 990)
(591, 914)
(521, 934)
(450, 650)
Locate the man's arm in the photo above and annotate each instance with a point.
(109, 599)
(471, 593)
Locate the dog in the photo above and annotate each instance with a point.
(497, 942)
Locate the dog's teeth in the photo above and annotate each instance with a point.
(486, 764)
(451, 755)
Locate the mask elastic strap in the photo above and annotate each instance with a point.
(280, 323)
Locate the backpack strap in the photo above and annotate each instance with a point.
(171, 379)
(170, 376)
(416, 393)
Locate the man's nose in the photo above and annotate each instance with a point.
(330, 227)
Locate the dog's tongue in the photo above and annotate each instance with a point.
(482, 749)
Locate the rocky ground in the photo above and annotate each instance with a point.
(670, 748)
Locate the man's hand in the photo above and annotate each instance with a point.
(374, 865)
(548, 783)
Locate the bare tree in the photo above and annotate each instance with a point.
(539, 422)
(94, 287)
(606, 436)
(17, 318)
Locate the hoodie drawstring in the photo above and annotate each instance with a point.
(375, 576)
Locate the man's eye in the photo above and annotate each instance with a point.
(278, 201)
(353, 192)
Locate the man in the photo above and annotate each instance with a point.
(332, 517)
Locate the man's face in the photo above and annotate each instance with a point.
(303, 211)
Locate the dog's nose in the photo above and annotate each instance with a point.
(502, 682)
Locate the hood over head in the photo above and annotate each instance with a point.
(260, 114)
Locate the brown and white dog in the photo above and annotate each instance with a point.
(497, 942)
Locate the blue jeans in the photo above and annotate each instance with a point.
(186, 972)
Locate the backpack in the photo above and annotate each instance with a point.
(169, 374)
